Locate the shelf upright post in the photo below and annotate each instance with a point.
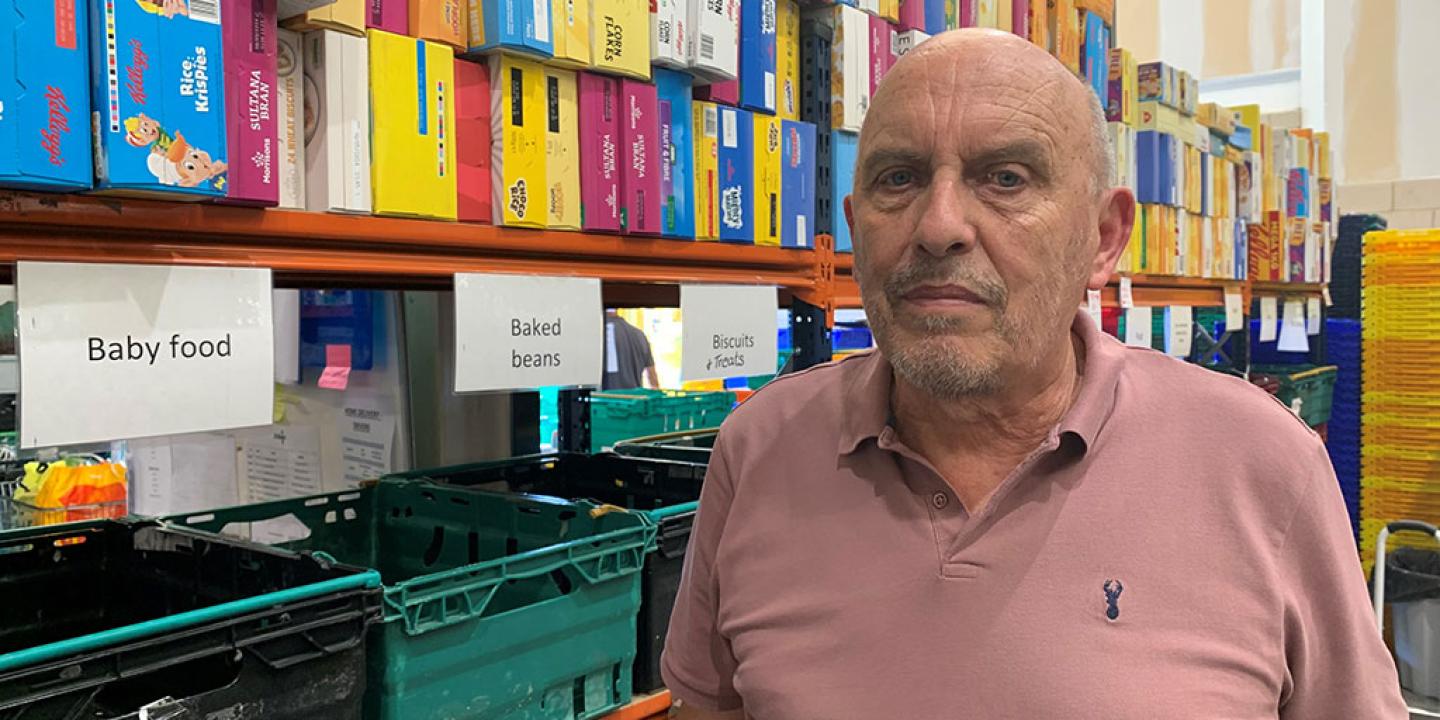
(574, 421)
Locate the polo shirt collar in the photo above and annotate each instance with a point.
(868, 390)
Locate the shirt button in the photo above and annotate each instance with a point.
(940, 500)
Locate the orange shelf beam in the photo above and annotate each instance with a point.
(644, 708)
(1267, 288)
(1161, 290)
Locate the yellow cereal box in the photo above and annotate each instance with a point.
(562, 150)
(707, 169)
(620, 37)
(347, 16)
(518, 122)
(412, 120)
(571, 23)
(767, 180)
(787, 60)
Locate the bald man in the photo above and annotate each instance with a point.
(1003, 512)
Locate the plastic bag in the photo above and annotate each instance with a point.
(1412, 574)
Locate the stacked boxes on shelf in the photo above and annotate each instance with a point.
(412, 134)
(44, 134)
(1293, 234)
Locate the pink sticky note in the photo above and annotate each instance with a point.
(336, 375)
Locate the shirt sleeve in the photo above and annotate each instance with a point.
(698, 665)
(1338, 666)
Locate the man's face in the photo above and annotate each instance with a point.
(974, 215)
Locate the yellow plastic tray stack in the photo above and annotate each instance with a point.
(1400, 441)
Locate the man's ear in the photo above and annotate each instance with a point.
(849, 216)
(1117, 217)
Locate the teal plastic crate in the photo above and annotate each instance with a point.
(618, 415)
(496, 606)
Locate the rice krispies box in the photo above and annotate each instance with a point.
(44, 98)
(157, 81)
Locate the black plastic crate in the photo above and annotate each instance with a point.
(119, 619)
(668, 490)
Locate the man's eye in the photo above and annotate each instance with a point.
(1007, 179)
(897, 179)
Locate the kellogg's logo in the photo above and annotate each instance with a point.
(58, 124)
(135, 74)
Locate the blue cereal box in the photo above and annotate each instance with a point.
(757, 56)
(157, 82)
(519, 26)
(797, 184)
(736, 159)
(843, 148)
(44, 95)
(677, 174)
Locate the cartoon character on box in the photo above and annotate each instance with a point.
(167, 8)
(172, 160)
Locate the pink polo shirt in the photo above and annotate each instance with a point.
(1176, 548)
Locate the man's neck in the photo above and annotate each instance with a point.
(988, 434)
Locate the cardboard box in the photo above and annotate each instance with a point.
(669, 23)
(797, 184)
(987, 13)
(392, 16)
(706, 122)
(713, 48)
(599, 152)
(906, 41)
(290, 8)
(1065, 31)
(935, 16)
(882, 51)
(346, 16)
(160, 120)
(766, 205)
(787, 60)
(511, 25)
(251, 127)
(758, 23)
(412, 121)
(677, 167)
(1095, 54)
(620, 37)
(843, 149)
(890, 10)
(1154, 116)
(290, 107)
(725, 92)
(912, 15)
(441, 21)
(737, 175)
(45, 100)
(337, 122)
(472, 142)
(1155, 82)
(571, 22)
(1297, 233)
(850, 66)
(562, 150)
(517, 132)
(640, 148)
(1120, 100)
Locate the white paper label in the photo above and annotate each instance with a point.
(1127, 293)
(769, 91)
(802, 236)
(517, 332)
(124, 351)
(727, 331)
(1312, 316)
(1179, 330)
(1325, 292)
(542, 20)
(729, 130)
(367, 441)
(1292, 329)
(1234, 311)
(1269, 312)
(1092, 306)
(1137, 327)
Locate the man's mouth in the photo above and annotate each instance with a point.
(943, 297)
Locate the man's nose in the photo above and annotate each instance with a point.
(946, 224)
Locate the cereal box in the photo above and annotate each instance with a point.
(787, 59)
(713, 49)
(640, 158)
(737, 175)
(157, 77)
(797, 184)
(599, 152)
(517, 127)
(766, 203)
(337, 122)
(45, 101)
(881, 51)
(757, 55)
(669, 22)
(725, 92)
(912, 15)
(251, 127)
(347, 16)
(290, 108)
(442, 21)
(512, 25)
(620, 37)
(290, 8)
(677, 169)
(571, 22)
(906, 41)
(843, 148)
(850, 67)
(706, 122)
(562, 150)
(388, 15)
(472, 142)
(412, 121)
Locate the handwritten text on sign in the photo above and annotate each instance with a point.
(110, 352)
(726, 331)
(517, 332)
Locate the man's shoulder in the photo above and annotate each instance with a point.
(808, 401)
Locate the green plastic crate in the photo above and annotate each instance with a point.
(496, 606)
(1312, 385)
(619, 415)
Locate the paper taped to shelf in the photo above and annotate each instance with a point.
(520, 332)
(727, 331)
